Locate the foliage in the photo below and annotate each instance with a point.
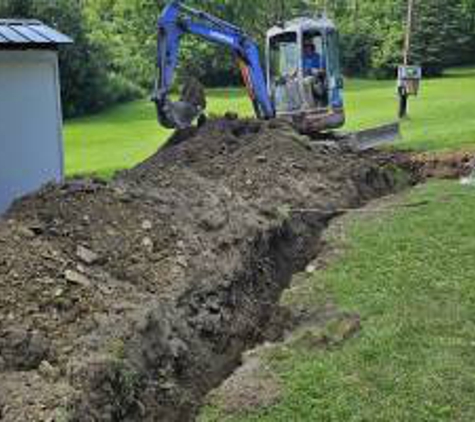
(356, 50)
(372, 34)
(439, 36)
(88, 82)
(114, 55)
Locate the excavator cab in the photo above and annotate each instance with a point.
(303, 74)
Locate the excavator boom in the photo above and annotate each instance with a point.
(178, 20)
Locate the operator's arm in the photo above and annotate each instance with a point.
(314, 65)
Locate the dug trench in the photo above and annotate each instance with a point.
(130, 300)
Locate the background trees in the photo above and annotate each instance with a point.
(115, 40)
(441, 37)
(89, 79)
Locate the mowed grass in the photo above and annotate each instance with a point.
(442, 118)
(409, 273)
(127, 134)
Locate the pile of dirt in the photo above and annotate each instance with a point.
(131, 300)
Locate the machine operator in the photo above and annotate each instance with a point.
(313, 62)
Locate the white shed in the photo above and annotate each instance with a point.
(31, 141)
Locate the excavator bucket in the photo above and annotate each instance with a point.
(374, 137)
(176, 114)
(182, 113)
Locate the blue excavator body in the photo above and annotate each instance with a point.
(281, 88)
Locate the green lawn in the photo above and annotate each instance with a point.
(127, 134)
(409, 274)
(441, 118)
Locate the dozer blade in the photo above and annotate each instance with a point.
(381, 135)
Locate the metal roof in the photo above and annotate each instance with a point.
(318, 23)
(29, 33)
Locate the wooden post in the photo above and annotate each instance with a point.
(403, 95)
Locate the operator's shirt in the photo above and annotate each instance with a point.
(313, 62)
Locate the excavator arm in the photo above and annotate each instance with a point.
(178, 20)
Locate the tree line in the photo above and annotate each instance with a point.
(113, 58)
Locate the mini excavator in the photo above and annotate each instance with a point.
(301, 82)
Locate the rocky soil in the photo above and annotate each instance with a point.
(130, 300)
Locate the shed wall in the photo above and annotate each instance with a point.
(31, 151)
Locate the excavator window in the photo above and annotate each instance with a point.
(333, 53)
(315, 40)
(284, 55)
(315, 65)
(284, 71)
(334, 68)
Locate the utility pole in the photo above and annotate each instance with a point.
(407, 43)
(403, 94)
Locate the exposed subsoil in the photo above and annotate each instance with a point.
(450, 165)
(319, 324)
(131, 300)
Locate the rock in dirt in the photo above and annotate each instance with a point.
(22, 350)
(86, 255)
(199, 241)
(147, 225)
(75, 277)
(48, 371)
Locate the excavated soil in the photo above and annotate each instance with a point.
(450, 165)
(131, 300)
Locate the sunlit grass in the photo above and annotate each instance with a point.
(443, 117)
(409, 275)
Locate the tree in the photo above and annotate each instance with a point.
(439, 38)
(87, 82)
(15, 9)
(114, 55)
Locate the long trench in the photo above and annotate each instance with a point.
(190, 346)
